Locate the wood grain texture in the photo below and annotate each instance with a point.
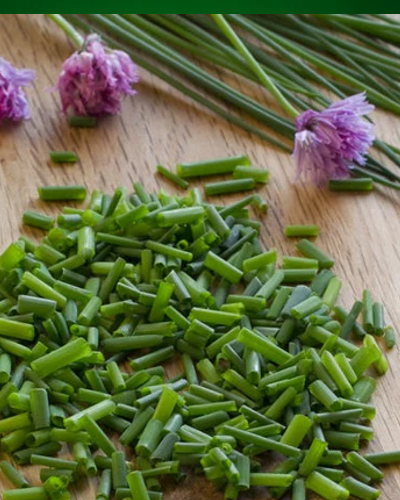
(160, 126)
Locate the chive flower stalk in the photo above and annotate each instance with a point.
(327, 141)
(95, 78)
(13, 102)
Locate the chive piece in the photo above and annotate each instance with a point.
(211, 167)
(296, 430)
(64, 356)
(31, 493)
(378, 319)
(223, 268)
(308, 249)
(172, 177)
(324, 395)
(323, 486)
(98, 435)
(364, 466)
(359, 489)
(137, 486)
(358, 184)
(351, 319)
(227, 187)
(35, 219)
(16, 330)
(61, 193)
(42, 289)
(368, 321)
(390, 337)
(180, 216)
(270, 479)
(259, 261)
(383, 458)
(301, 230)
(63, 157)
(332, 292)
(312, 457)
(40, 410)
(13, 475)
(299, 490)
(339, 378)
(264, 346)
(258, 174)
(262, 442)
(82, 121)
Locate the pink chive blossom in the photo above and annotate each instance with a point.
(13, 103)
(94, 80)
(327, 142)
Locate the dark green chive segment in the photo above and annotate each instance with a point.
(63, 157)
(82, 121)
(226, 187)
(358, 184)
(94, 318)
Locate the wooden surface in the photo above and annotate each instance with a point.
(159, 126)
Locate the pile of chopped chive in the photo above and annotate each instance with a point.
(89, 315)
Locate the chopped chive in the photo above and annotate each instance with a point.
(368, 321)
(301, 230)
(230, 186)
(63, 157)
(328, 489)
(390, 337)
(180, 216)
(223, 268)
(378, 318)
(308, 249)
(35, 219)
(61, 193)
(211, 167)
(258, 174)
(364, 466)
(82, 121)
(359, 184)
(359, 489)
(172, 177)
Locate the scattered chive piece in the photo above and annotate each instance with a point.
(246, 172)
(227, 187)
(82, 121)
(35, 219)
(172, 177)
(390, 337)
(308, 249)
(359, 184)
(63, 157)
(211, 167)
(62, 193)
(301, 230)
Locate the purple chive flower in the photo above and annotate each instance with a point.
(94, 80)
(13, 103)
(327, 142)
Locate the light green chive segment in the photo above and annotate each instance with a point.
(96, 319)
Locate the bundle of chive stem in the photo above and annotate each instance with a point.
(309, 58)
(272, 392)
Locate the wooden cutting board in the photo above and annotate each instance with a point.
(361, 231)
